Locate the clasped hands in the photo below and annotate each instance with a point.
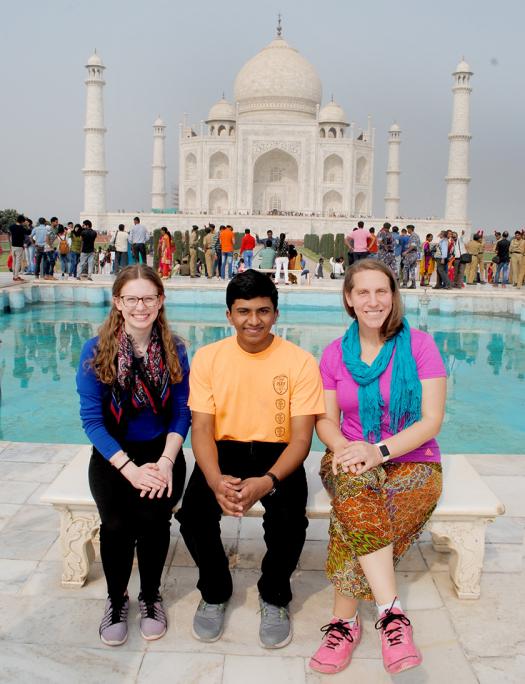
(356, 457)
(236, 496)
(153, 479)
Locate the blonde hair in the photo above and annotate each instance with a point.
(105, 355)
(394, 321)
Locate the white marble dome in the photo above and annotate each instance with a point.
(394, 128)
(159, 122)
(332, 113)
(221, 111)
(278, 81)
(94, 60)
(463, 67)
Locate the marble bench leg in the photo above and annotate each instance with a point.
(78, 530)
(466, 540)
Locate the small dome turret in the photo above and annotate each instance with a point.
(221, 111)
(332, 113)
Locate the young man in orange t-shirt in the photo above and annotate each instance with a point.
(227, 239)
(254, 397)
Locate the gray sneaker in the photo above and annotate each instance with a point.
(275, 630)
(208, 622)
(114, 626)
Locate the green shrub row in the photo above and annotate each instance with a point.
(327, 245)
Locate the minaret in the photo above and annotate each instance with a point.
(458, 157)
(95, 158)
(393, 173)
(158, 184)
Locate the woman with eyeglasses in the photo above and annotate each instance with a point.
(133, 387)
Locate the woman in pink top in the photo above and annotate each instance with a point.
(385, 388)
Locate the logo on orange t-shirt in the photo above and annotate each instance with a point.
(280, 384)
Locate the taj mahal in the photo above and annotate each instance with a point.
(277, 157)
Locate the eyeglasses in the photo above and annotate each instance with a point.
(131, 302)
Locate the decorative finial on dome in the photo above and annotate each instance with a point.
(223, 94)
(279, 26)
(332, 96)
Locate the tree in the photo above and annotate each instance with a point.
(7, 218)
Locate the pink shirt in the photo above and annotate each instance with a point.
(336, 377)
(359, 237)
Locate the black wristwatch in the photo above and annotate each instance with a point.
(385, 453)
(275, 481)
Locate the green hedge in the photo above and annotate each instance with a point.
(326, 245)
(340, 248)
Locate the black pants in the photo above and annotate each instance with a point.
(121, 261)
(442, 280)
(139, 248)
(284, 523)
(360, 255)
(127, 520)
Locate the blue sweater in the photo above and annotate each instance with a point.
(142, 426)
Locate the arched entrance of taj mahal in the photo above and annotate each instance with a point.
(275, 183)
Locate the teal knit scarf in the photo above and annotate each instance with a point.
(405, 386)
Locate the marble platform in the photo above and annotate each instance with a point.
(50, 634)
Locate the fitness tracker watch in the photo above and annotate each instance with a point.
(275, 481)
(383, 449)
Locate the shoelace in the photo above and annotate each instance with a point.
(335, 633)
(277, 613)
(152, 609)
(115, 613)
(395, 634)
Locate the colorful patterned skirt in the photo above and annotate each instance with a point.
(389, 504)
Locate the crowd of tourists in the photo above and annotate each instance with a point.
(50, 248)
(376, 401)
(455, 261)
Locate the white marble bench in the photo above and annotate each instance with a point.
(457, 525)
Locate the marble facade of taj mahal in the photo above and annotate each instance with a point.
(275, 158)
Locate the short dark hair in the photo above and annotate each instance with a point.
(505, 234)
(53, 218)
(372, 230)
(360, 224)
(387, 225)
(249, 285)
(395, 229)
(136, 219)
(87, 223)
(246, 231)
(121, 226)
(212, 226)
(268, 243)
(410, 227)
(20, 218)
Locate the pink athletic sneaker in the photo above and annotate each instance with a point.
(399, 651)
(339, 642)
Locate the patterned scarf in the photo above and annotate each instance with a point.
(146, 381)
(405, 386)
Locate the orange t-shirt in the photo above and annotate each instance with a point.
(254, 396)
(227, 238)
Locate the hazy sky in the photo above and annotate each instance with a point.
(392, 60)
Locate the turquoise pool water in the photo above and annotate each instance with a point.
(485, 358)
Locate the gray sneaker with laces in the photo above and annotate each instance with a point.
(275, 630)
(208, 622)
(153, 621)
(114, 626)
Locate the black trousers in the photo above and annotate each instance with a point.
(284, 523)
(129, 521)
(139, 249)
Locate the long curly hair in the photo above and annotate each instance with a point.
(104, 361)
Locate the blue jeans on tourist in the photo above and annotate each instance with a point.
(247, 255)
(227, 259)
(64, 263)
(73, 263)
(502, 269)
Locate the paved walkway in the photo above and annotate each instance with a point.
(49, 634)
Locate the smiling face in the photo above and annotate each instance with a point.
(253, 320)
(139, 318)
(371, 298)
